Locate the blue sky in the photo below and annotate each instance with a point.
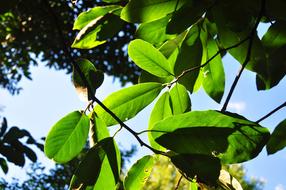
(51, 95)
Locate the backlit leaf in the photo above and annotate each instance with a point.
(67, 137)
(138, 11)
(86, 17)
(127, 102)
(277, 139)
(139, 173)
(161, 110)
(229, 136)
(205, 168)
(213, 72)
(100, 165)
(93, 77)
(147, 57)
(154, 32)
(180, 99)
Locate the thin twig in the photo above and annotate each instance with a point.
(272, 112)
(178, 183)
(248, 56)
(208, 61)
(82, 76)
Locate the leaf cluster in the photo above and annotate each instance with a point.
(179, 47)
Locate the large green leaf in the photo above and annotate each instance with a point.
(214, 78)
(229, 136)
(100, 166)
(93, 77)
(86, 17)
(139, 173)
(274, 42)
(180, 99)
(67, 137)
(205, 168)
(127, 102)
(277, 139)
(147, 57)
(189, 56)
(154, 32)
(161, 110)
(149, 10)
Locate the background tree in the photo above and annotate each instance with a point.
(32, 32)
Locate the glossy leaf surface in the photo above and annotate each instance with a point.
(180, 99)
(161, 110)
(139, 173)
(229, 136)
(149, 58)
(67, 137)
(138, 11)
(126, 103)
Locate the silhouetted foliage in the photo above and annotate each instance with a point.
(32, 31)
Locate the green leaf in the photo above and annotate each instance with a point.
(277, 139)
(99, 129)
(147, 57)
(127, 102)
(98, 30)
(174, 44)
(206, 169)
(275, 36)
(110, 170)
(99, 165)
(111, 1)
(67, 137)
(228, 38)
(274, 42)
(214, 78)
(4, 165)
(87, 37)
(147, 77)
(180, 99)
(193, 11)
(138, 11)
(189, 56)
(154, 32)
(161, 110)
(93, 77)
(229, 136)
(86, 17)
(139, 173)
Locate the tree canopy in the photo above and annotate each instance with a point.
(32, 32)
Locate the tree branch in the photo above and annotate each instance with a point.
(272, 112)
(208, 61)
(248, 56)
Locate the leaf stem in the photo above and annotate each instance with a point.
(248, 56)
(272, 112)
